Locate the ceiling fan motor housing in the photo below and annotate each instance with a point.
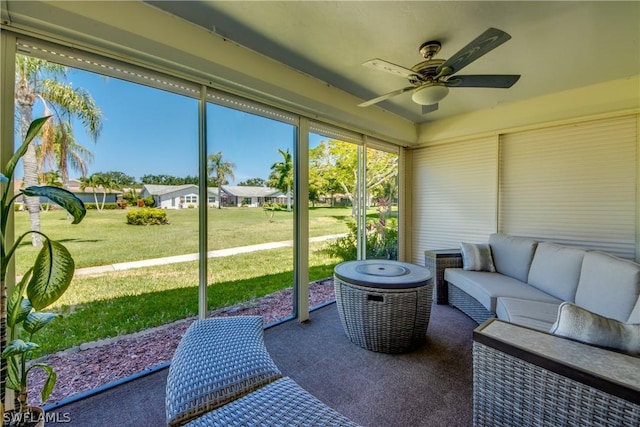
(430, 49)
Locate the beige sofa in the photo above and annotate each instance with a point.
(533, 278)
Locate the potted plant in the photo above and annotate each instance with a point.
(20, 313)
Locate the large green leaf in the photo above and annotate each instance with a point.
(63, 197)
(50, 383)
(13, 373)
(52, 273)
(18, 347)
(37, 320)
(33, 131)
(18, 307)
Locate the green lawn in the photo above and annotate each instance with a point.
(105, 237)
(108, 305)
(111, 304)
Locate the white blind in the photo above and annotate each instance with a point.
(335, 132)
(83, 60)
(378, 144)
(572, 184)
(252, 107)
(454, 195)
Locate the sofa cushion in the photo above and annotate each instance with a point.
(281, 403)
(217, 361)
(608, 286)
(512, 255)
(476, 257)
(487, 287)
(635, 314)
(582, 325)
(556, 269)
(539, 315)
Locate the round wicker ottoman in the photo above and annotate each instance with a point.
(384, 305)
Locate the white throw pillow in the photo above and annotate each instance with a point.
(477, 257)
(582, 325)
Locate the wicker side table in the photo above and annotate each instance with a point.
(437, 261)
(384, 305)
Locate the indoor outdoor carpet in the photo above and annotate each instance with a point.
(431, 386)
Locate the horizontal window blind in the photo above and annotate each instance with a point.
(252, 107)
(454, 195)
(377, 144)
(335, 132)
(572, 184)
(83, 60)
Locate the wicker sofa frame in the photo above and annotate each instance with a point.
(524, 377)
(222, 375)
(468, 305)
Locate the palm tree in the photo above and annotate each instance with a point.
(98, 180)
(60, 151)
(282, 175)
(221, 170)
(39, 80)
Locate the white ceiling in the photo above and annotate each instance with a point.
(555, 46)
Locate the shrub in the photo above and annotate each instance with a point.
(147, 216)
(382, 241)
(148, 201)
(107, 206)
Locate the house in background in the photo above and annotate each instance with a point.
(173, 196)
(87, 194)
(241, 195)
(185, 196)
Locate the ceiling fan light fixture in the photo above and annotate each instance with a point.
(430, 94)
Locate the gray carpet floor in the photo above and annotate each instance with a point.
(430, 386)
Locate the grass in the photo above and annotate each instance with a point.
(107, 305)
(104, 238)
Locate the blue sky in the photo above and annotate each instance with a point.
(149, 131)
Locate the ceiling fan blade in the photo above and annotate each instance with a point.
(382, 65)
(503, 81)
(429, 108)
(484, 43)
(385, 96)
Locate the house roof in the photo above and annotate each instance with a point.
(161, 190)
(74, 187)
(248, 191)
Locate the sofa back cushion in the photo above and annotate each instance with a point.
(555, 269)
(635, 314)
(512, 255)
(608, 286)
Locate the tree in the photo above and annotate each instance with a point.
(120, 179)
(163, 179)
(337, 163)
(282, 175)
(37, 79)
(59, 151)
(98, 180)
(253, 182)
(221, 170)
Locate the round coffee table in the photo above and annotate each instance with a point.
(384, 305)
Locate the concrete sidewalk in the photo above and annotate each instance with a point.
(194, 257)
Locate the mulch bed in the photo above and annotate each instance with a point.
(95, 364)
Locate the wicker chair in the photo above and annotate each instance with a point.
(523, 377)
(222, 375)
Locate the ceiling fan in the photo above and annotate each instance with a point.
(431, 79)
